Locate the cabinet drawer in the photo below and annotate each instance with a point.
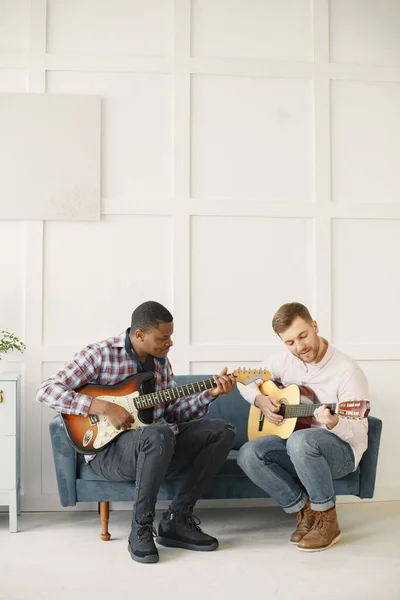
(8, 408)
(8, 476)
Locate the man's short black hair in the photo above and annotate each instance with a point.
(148, 315)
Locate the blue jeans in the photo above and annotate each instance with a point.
(302, 466)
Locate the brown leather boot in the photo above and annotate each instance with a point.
(305, 520)
(324, 533)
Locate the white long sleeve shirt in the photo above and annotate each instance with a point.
(336, 378)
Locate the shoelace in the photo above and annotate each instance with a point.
(146, 530)
(321, 522)
(305, 516)
(193, 522)
(324, 522)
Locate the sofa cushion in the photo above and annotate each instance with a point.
(229, 469)
(231, 482)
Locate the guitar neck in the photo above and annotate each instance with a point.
(171, 394)
(302, 410)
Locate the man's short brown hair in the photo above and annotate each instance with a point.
(287, 313)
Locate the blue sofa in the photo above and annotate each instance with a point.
(77, 482)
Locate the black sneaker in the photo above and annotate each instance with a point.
(141, 545)
(183, 531)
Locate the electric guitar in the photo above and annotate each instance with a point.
(291, 410)
(91, 434)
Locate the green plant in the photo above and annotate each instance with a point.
(9, 342)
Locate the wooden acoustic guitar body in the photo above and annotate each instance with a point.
(259, 426)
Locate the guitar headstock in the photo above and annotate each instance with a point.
(247, 376)
(353, 409)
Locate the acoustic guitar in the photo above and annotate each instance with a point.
(91, 434)
(292, 409)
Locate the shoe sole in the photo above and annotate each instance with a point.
(151, 558)
(176, 544)
(334, 541)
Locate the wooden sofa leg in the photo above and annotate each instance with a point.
(104, 509)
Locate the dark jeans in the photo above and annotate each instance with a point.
(145, 455)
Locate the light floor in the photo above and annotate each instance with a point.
(59, 555)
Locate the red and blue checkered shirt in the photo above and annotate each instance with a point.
(109, 363)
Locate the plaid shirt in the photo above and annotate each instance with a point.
(108, 363)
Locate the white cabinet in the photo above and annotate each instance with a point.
(10, 400)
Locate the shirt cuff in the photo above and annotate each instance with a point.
(83, 403)
(207, 397)
(339, 428)
(247, 392)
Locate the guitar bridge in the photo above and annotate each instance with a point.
(94, 419)
(261, 421)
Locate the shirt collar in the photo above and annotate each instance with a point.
(130, 352)
(119, 340)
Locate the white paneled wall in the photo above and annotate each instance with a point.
(234, 120)
(268, 30)
(13, 80)
(365, 140)
(14, 25)
(249, 157)
(239, 266)
(366, 280)
(120, 27)
(365, 32)
(12, 275)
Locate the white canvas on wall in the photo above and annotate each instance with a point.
(49, 157)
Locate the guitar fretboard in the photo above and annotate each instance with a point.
(171, 394)
(302, 410)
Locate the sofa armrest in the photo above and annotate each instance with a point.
(369, 460)
(64, 461)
